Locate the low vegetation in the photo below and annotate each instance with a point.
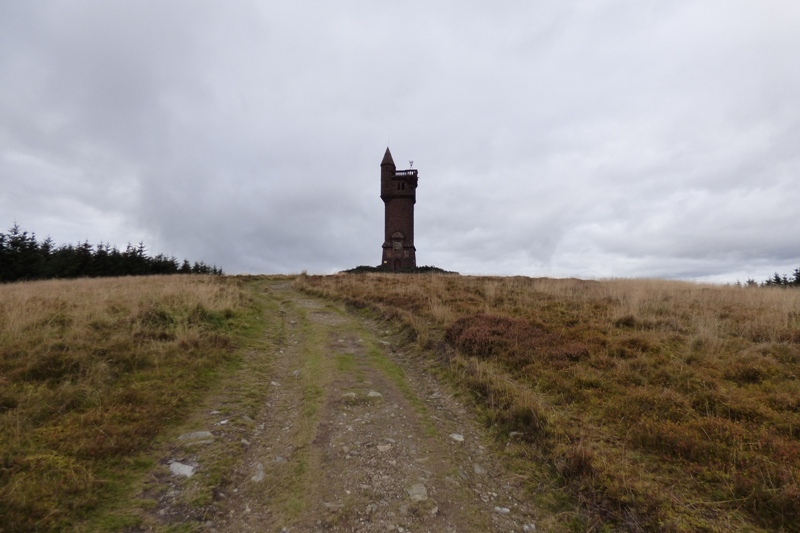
(363, 269)
(656, 405)
(90, 372)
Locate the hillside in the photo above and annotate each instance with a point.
(364, 402)
(654, 405)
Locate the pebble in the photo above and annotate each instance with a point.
(195, 435)
(529, 528)
(384, 447)
(502, 510)
(180, 469)
(333, 506)
(418, 492)
(296, 373)
(349, 396)
(374, 394)
(279, 459)
(258, 477)
(479, 470)
(274, 383)
(457, 437)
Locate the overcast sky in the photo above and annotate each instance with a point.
(596, 138)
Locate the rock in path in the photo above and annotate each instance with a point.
(418, 492)
(180, 469)
(258, 476)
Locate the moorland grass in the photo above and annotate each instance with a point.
(656, 405)
(90, 372)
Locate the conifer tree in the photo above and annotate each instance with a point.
(22, 257)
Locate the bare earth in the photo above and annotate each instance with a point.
(331, 427)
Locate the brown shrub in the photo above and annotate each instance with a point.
(515, 342)
(576, 462)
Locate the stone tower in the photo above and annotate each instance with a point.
(399, 194)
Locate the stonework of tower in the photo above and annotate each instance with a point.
(399, 194)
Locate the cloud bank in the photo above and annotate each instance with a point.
(587, 139)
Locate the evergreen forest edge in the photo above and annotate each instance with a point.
(24, 258)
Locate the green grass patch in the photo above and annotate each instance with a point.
(92, 371)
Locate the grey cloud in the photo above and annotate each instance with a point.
(577, 138)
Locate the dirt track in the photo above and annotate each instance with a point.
(349, 434)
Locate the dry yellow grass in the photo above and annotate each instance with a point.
(660, 405)
(90, 372)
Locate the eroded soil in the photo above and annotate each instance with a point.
(330, 426)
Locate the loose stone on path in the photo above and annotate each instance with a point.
(418, 492)
(258, 477)
(196, 438)
(180, 469)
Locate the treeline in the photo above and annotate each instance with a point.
(776, 280)
(24, 258)
(783, 281)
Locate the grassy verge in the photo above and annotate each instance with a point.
(90, 372)
(633, 404)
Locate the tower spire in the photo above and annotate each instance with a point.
(387, 158)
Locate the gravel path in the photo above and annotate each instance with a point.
(350, 434)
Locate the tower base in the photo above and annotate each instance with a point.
(395, 259)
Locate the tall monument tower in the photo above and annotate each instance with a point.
(399, 194)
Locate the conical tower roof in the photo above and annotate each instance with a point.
(387, 158)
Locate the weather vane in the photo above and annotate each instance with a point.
(411, 164)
